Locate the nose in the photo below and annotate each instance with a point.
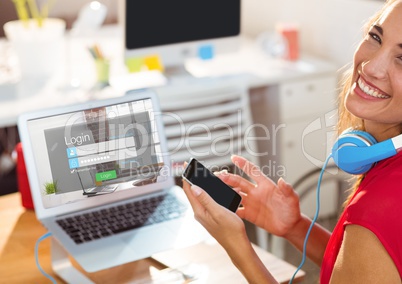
(376, 66)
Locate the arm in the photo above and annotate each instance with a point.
(246, 260)
(229, 230)
(363, 259)
(317, 241)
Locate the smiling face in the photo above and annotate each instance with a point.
(376, 92)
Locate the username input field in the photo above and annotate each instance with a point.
(101, 147)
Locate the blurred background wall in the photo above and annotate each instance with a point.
(65, 9)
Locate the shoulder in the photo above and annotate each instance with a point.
(363, 259)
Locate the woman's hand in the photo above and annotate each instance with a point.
(229, 230)
(224, 225)
(274, 207)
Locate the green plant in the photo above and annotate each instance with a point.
(51, 187)
(25, 8)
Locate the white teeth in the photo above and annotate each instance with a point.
(367, 90)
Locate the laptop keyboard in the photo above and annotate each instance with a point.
(105, 222)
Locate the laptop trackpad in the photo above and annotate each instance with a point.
(148, 241)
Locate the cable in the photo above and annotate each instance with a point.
(317, 211)
(37, 259)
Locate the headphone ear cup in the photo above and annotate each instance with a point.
(367, 137)
(354, 138)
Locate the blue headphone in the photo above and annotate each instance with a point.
(356, 151)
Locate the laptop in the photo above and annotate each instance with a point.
(101, 180)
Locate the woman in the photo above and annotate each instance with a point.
(366, 245)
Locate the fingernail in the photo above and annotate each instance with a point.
(283, 181)
(235, 158)
(196, 190)
(221, 172)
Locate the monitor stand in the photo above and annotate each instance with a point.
(177, 74)
(63, 267)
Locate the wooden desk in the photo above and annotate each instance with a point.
(19, 231)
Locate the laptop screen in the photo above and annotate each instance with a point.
(96, 152)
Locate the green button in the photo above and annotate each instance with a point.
(105, 175)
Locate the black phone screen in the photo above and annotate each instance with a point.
(198, 174)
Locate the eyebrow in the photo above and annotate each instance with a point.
(379, 29)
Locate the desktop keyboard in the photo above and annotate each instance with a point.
(105, 222)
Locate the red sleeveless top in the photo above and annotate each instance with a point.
(377, 206)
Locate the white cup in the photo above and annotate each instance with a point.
(39, 49)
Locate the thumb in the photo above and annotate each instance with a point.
(286, 188)
(204, 198)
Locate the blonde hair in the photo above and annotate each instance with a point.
(346, 119)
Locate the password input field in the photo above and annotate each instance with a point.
(111, 156)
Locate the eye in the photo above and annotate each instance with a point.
(375, 36)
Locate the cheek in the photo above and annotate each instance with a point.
(362, 54)
(353, 106)
(358, 58)
(359, 52)
(397, 87)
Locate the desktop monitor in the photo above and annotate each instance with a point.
(179, 29)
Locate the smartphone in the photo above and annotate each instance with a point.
(197, 174)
